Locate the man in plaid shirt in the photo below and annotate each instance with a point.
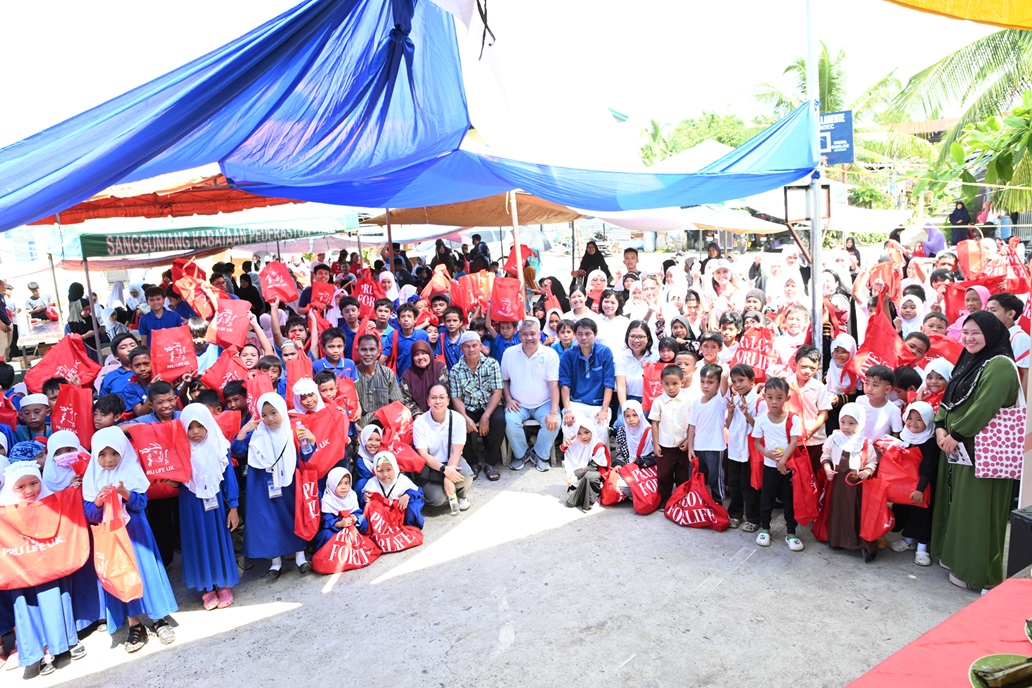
(476, 390)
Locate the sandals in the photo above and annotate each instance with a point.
(163, 629)
(491, 472)
(210, 600)
(225, 597)
(136, 639)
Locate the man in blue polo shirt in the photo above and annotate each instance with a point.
(407, 335)
(159, 318)
(587, 378)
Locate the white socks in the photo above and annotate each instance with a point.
(922, 547)
(277, 564)
(299, 557)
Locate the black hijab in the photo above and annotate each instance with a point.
(558, 291)
(594, 261)
(248, 292)
(969, 366)
(960, 215)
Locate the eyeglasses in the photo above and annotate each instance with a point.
(638, 336)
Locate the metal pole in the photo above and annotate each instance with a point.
(390, 240)
(573, 244)
(813, 94)
(359, 235)
(57, 289)
(514, 214)
(279, 256)
(93, 312)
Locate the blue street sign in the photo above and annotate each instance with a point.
(837, 137)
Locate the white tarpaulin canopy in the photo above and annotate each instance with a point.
(702, 217)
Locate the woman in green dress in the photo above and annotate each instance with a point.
(969, 521)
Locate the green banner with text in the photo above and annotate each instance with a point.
(191, 239)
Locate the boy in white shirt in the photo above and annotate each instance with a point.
(669, 417)
(776, 436)
(706, 430)
(883, 417)
(743, 405)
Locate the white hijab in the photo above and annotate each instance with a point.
(406, 293)
(391, 288)
(306, 385)
(836, 373)
(273, 450)
(577, 454)
(363, 453)
(117, 296)
(914, 324)
(634, 435)
(55, 476)
(128, 471)
(911, 439)
(134, 302)
(392, 490)
(210, 456)
(331, 503)
(15, 472)
(855, 442)
(941, 366)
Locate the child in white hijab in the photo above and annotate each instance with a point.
(337, 498)
(916, 521)
(114, 466)
(393, 485)
(634, 437)
(272, 457)
(584, 459)
(847, 460)
(369, 441)
(63, 452)
(208, 511)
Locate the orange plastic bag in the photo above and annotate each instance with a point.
(113, 554)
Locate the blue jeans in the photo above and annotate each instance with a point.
(518, 438)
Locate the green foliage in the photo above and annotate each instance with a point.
(831, 90)
(868, 197)
(997, 150)
(726, 129)
(656, 146)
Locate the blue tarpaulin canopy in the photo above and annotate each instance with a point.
(353, 102)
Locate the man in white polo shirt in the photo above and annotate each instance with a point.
(530, 383)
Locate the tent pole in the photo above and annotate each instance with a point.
(514, 214)
(573, 244)
(812, 94)
(390, 241)
(57, 289)
(359, 235)
(279, 256)
(93, 311)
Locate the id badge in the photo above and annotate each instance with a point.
(211, 503)
(274, 491)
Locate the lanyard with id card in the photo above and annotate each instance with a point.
(275, 492)
(211, 503)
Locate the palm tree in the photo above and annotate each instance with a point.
(656, 146)
(983, 78)
(832, 85)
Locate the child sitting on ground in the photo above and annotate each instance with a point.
(338, 498)
(584, 458)
(776, 436)
(394, 486)
(848, 458)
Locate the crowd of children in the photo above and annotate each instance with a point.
(740, 390)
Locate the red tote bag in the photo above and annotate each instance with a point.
(73, 411)
(652, 384)
(367, 291)
(226, 369)
(113, 555)
(804, 487)
(297, 369)
(397, 418)
(754, 350)
(322, 294)
(346, 551)
(164, 450)
(876, 518)
(257, 386)
(611, 493)
(507, 300)
(882, 346)
(229, 423)
(67, 359)
(347, 396)
(692, 505)
(277, 283)
(644, 484)
(43, 540)
(899, 472)
(231, 323)
(331, 434)
(512, 266)
(387, 525)
(306, 501)
(8, 414)
(172, 353)
(198, 294)
(440, 283)
(186, 266)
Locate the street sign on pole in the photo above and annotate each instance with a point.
(836, 137)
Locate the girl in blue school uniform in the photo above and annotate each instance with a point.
(115, 466)
(63, 449)
(272, 457)
(368, 445)
(208, 511)
(43, 614)
(337, 497)
(394, 486)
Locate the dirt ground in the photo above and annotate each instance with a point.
(523, 591)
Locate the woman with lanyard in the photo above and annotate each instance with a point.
(439, 436)
(630, 363)
(969, 521)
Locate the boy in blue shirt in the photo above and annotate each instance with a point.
(407, 334)
(134, 392)
(158, 318)
(384, 309)
(332, 341)
(502, 338)
(564, 336)
(449, 339)
(35, 409)
(115, 380)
